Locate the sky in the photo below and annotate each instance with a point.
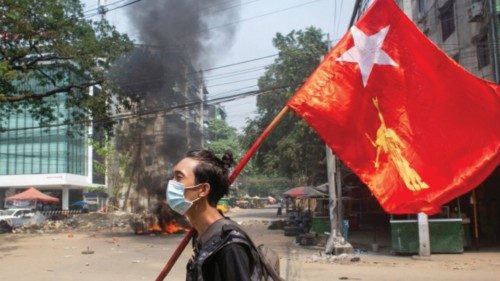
(259, 22)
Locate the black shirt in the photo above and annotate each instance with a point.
(230, 263)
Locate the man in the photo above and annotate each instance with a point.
(280, 206)
(222, 251)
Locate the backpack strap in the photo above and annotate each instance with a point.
(230, 226)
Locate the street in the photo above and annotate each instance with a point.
(124, 256)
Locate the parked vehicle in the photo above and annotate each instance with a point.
(16, 217)
(80, 205)
(84, 206)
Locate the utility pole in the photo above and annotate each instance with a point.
(101, 8)
(423, 235)
(336, 244)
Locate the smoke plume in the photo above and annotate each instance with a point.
(199, 27)
(176, 39)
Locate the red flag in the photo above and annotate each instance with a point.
(417, 128)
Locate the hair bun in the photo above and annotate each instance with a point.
(228, 160)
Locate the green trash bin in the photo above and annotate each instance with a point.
(446, 236)
(320, 225)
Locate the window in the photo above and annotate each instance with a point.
(483, 53)
(421, 6)
(447, 18)
(148, 160)
(456, 57)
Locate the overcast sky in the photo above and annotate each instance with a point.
(259, 22)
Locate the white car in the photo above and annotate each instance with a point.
(16, 217)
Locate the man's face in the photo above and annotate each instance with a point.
(184, 173)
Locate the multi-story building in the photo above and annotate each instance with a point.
(55, 158)
(467, 30)
(165, 121)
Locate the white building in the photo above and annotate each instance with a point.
(56, 159)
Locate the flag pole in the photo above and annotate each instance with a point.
(237, 170)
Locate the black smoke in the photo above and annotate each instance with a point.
(175, 39)
(201, 28)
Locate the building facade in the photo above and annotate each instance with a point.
(166, 120)
(467, 30)
(55, 158)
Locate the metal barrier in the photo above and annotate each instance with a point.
(60, 212)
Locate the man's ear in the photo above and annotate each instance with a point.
(205, 189)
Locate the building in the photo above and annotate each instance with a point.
(167, 119)
(467, 30)
(55, 159)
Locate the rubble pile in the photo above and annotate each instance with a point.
(254, 222)
(80, 222)
(325, 258)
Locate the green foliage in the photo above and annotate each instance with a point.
(98, 189)
(221, 137)
(292, 150)
(113, 164)
(47, 49)
(264, 186)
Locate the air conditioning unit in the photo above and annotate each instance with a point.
(475, 12)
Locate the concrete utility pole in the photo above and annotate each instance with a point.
(101, 8)
(336, 244)
(423, 235)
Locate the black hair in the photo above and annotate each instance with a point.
(213, 171)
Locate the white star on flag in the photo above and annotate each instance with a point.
(367, 51)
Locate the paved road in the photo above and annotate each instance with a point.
(266, 214)
(127, 257)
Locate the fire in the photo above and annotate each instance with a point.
(170, 228)
(154, 228)
(173, 227)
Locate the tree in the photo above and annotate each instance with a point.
(221, 137)
(293, 150)
(112, 165)
(47, 50)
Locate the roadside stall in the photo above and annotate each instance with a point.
(307, 210)
(318, 204)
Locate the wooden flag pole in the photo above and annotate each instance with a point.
(237, 170)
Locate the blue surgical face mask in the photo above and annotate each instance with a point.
(176, 199)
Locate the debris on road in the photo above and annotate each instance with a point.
(79, 222)
(87, 252)
(324, 258)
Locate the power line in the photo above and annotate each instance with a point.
(240, 62)
(112, 9)
(102, 6)
(230, 7)
(233, 82)
(262, 15)
(138, 81)
(165, 110)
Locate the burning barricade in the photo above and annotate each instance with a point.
(161, 220)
